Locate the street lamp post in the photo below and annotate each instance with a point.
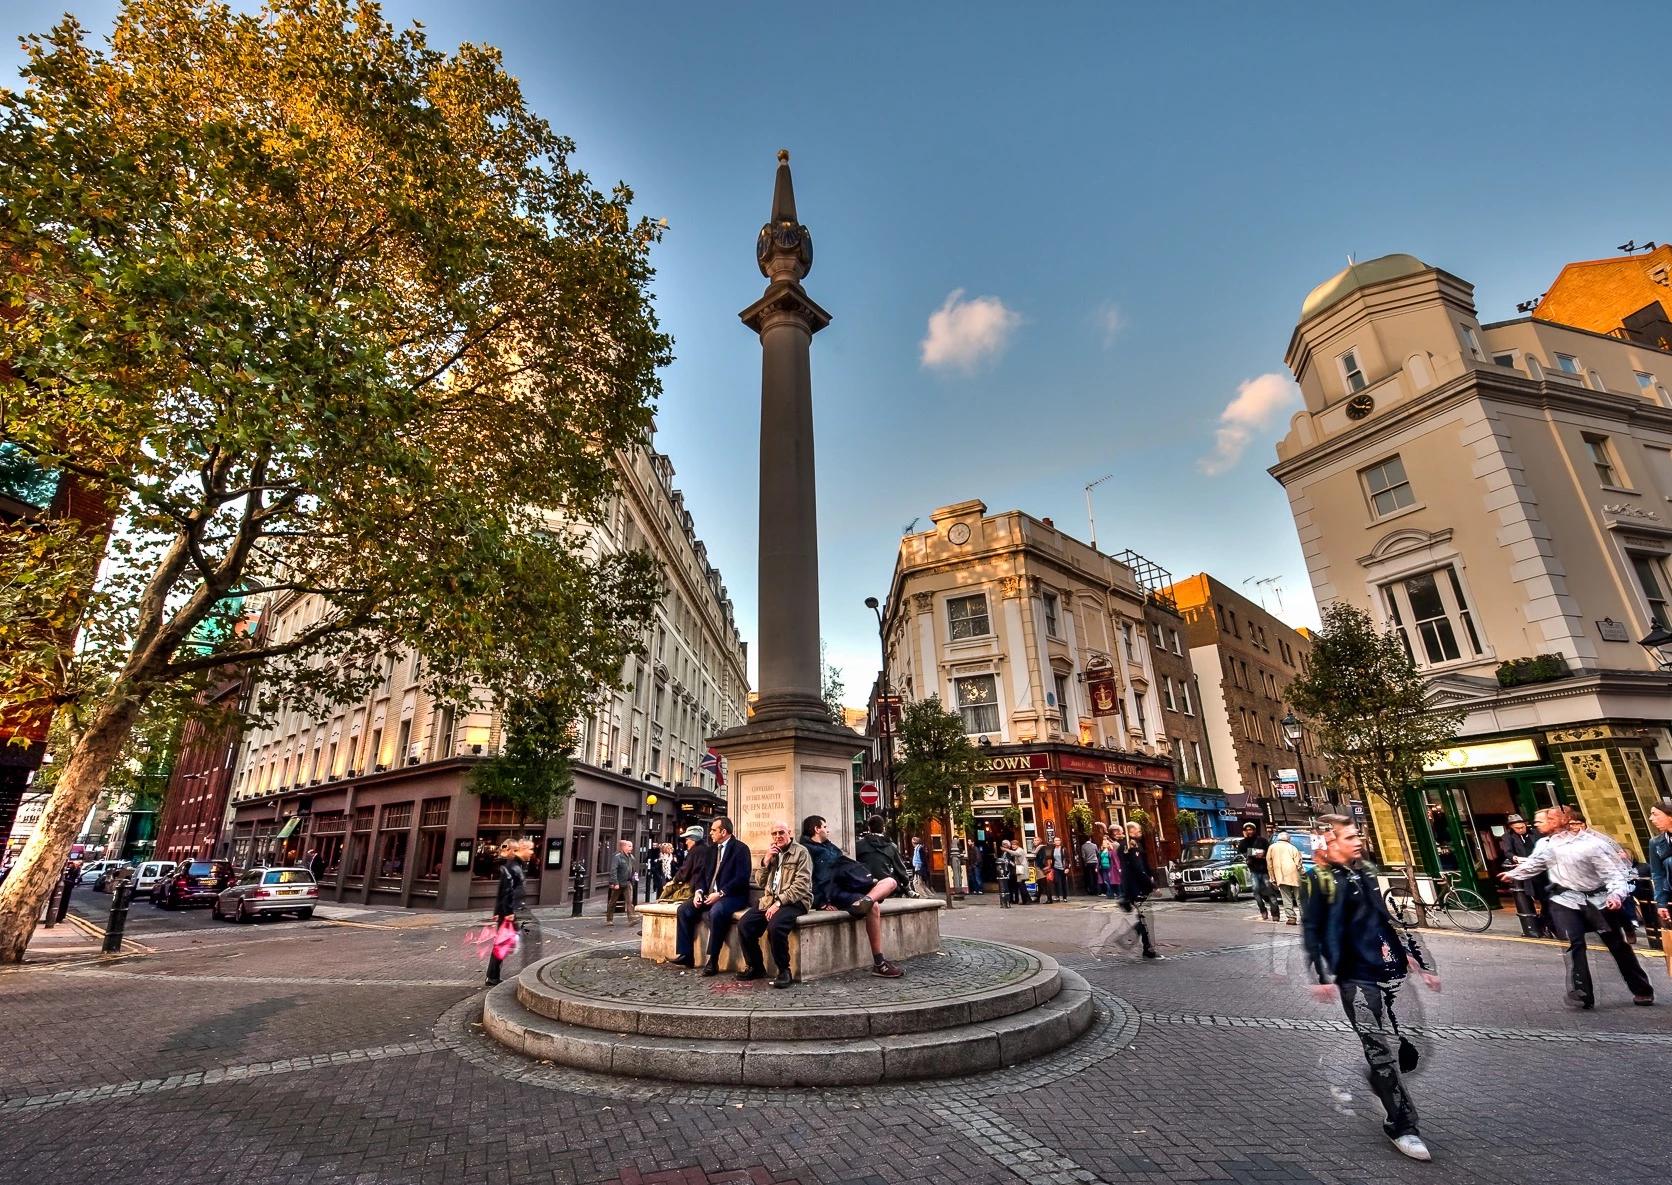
(875, 607)
(1294, 730)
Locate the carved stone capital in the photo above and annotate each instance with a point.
(923, 602)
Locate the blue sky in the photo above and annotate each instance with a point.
(1133, 202)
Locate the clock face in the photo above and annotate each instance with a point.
(1360, 406)
(958, 534)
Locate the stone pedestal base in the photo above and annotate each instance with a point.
(823, 943)
(789, 769)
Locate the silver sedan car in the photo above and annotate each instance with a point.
(268, 890)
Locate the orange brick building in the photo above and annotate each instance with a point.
(1628, 297)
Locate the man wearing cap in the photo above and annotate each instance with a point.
(1518, 844)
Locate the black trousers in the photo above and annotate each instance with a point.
(1369, 1009)
(532, 946)
(777, 929)
(719, 911)
(1571, 925)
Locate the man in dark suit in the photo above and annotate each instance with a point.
(721, 895)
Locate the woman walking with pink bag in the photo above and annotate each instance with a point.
(508, 905)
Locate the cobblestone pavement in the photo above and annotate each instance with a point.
(346, 1051)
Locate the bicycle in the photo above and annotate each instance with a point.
(1463, 908)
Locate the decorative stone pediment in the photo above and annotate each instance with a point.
(1403, 542)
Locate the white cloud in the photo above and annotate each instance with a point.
(965, 333)
(1258, 405)
(1108, 319)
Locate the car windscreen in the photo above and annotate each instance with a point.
(1210, 851)
(290, 876)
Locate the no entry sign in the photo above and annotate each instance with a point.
(869, 794)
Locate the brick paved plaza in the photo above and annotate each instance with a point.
(346, 1050)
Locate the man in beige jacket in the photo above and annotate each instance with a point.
(1283, 866)
(785, 878)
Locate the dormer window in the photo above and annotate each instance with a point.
(1568, 363)
(1351, 372)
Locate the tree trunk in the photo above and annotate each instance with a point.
(1398, 808)
(30, 884)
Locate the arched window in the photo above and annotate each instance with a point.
(1417, 367)
(1533, 368)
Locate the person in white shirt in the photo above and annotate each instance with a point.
(1589, 883)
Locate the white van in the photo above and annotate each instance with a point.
(150, 873)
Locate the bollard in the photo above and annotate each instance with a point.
(50, 918)
(121, 894)
(1644, 891)
(577, 889)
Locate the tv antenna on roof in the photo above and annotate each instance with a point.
(1260, 585)
(909, 527)
(1091, 522)
(1630, 246)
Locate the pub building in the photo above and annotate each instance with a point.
(1043, 783)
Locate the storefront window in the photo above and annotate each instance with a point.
(432, 840)
(359, 844)
(392, 841)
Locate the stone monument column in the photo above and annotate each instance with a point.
(790, 760)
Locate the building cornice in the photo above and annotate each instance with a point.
(1477, 383)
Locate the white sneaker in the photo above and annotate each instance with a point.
(1411, 1145)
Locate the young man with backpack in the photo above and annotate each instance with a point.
(1360, 957)
(841, 884)
(880, 854)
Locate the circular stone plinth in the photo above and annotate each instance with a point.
(972, 1007)
(611, 988)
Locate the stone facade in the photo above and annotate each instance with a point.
(1497, 494)
(1047, 648)
(381, 787)
(1244, 658)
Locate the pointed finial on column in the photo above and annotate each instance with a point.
(785, 248)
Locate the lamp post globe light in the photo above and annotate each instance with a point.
(1658, 642)
(1293, 730)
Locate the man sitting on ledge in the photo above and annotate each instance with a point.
(786, 883)
(843, 884)
(720, 896)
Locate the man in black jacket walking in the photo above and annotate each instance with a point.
(1361, 956)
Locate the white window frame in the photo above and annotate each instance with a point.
(1371, 493)
(1498, 359)
(1577, 370)
(1167, 693)
(1060, 688)
(986, 617)
(1599, 450)
(964, 709)
(1347, 372)
(1461, 616)
(1471, 342)
(1184, 695)
(1657, 568)
(1053, 615)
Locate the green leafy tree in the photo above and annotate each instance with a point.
(832, 688)
(532, 770)
(1373, 714)
(327, 313)
(938, 768)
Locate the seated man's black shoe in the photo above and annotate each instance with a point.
(784, 980)
(752, 973)
(861, 907)
(682, 961)
(711, 968)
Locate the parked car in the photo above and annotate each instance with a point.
(268, 890)
(1211, 868)
(149, 873)
(101, 883)
(91, 870)
(196, 882)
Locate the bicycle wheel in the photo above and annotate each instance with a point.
(1401, 909)
(1466, 909)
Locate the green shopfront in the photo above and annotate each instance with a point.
(1459, 819)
